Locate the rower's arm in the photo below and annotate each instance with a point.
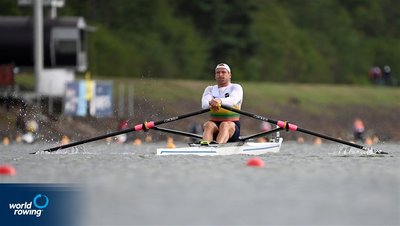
(207, 97)
(235, 98)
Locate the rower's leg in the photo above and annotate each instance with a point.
(226, 131)
(210, 129)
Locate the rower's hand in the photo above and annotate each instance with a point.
(215, 104)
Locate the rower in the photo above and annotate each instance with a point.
(224, 125)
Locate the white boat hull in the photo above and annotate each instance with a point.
(247, 148)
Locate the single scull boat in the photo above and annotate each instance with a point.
(242, 147)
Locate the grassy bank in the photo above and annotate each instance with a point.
(313, 98)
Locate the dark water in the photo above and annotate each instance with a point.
(304, 184)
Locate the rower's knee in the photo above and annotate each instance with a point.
(208, 125)
(230, 126)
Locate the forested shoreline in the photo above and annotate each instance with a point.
(320, 41)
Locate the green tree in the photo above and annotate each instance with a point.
(275, 40)
(225, 27)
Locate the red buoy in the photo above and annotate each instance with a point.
(7, 170)
(255, 162)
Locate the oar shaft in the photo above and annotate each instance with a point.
(89, 140)
(331, 138)
(193, 135)
(138, 127)
(290, 126)
(260, 134)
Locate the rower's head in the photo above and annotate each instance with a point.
(223, 74)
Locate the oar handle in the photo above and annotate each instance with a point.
(290, 126)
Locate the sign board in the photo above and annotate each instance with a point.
(101, 104)
(54, 3)
(76, 102)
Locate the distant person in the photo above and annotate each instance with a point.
(387, 78)
(375, 75)
(358, 129)
(224, 125)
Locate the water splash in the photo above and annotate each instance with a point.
(76, 150)
(346, 151)
(70, 151)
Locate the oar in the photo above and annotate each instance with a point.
(138, 127)
(193, 135)
(293, 127)
(261, 134)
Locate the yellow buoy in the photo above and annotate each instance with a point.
(18, 139)
(170, 143)
(317, 141)
(368, 141)
(108, 140)
(6, 141)
(300, 140)
(137, 141)
(375, 139)
(148, 139)
(65, 140)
